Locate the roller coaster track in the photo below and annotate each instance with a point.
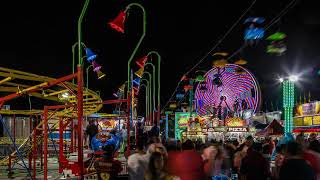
(27, 145)
(19, 82)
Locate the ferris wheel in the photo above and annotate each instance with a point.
(232, 88)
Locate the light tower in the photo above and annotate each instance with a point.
(288, 101)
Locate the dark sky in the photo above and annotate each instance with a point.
(36, 36)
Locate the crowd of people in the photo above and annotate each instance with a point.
(252, 160)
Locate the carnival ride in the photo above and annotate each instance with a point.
(63, 95)
(232, 88)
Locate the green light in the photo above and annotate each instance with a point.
(288, 104)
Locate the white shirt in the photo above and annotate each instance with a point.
(137, 165)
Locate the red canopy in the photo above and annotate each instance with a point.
(273, 129)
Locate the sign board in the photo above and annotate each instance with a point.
(307, 121)
(308, 109)
(316, 120)
(237, 129)
(220, 129)
(234, 122)
(297, 121)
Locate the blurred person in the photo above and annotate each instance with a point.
(314, 149)
(179, 145)
(254, 166)
(239, 154)
(310, 156)
(314, 146)
(107, 165)
(156, 170)
(279, 160)
(312, 137)
(138, 163)
(189, 164)
(154, 145)
(249, 141)
(295, 167)
(91, 131)
(214, 161)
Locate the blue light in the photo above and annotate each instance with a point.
(179, 96)
(253, 33)
(136, 81)
(90, 55)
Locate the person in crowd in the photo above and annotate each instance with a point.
(107, 166)
(254, 166)
(179, 145)
(189, 164)
(91, 131)
(156, 170)
(138, 163)
(312, 137)
(249, 141)
(310, 156)
(239, 154)
(314, 149)
(278, 163)
(295, 167)
(209, 154)
(315, 146)
(154, 144)
(214, 161)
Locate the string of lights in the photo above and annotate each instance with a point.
(212, 49)
(271, 23)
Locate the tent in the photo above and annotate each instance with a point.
(273, 129)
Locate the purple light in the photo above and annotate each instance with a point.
(242, 86)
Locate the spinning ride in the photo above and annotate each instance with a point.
(231, 89)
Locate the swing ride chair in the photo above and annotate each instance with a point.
(43, 122)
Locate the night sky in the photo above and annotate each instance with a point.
(36, 37)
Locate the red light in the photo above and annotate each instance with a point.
(118, 22)
(306, 130)
(140, 62)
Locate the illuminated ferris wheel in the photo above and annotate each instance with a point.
(231, 88)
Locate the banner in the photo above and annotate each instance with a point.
(308, 109)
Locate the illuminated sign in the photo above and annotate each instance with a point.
(308, 109)
(237, 129)
(219, 129)
(316, 120)
(297, 121)
(182, 119)
(235, 121)
(307, 121)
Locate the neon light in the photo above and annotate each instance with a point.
(242, 86)
(288, 104)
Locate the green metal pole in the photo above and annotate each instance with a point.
(140, 40)
(87, 73)
(150, 95)
(147, 97)
(154, 85)
(73, 56)
(84, 9)
(159, 62)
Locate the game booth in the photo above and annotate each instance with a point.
(307, 119)
(207, 128)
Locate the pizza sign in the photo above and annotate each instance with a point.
(237, 129)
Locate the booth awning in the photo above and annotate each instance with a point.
(273, 129)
